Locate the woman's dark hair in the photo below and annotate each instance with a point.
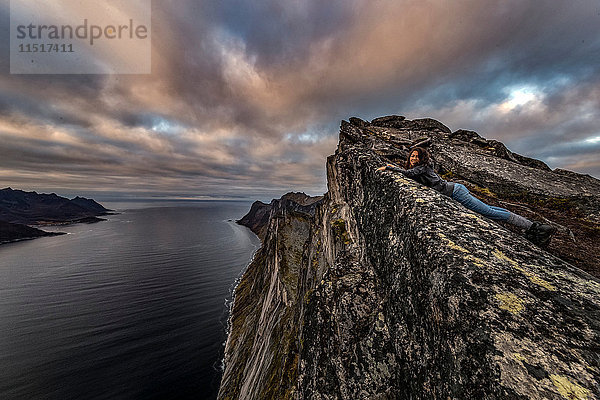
(423, 157)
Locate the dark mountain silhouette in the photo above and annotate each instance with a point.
(18, 206)
(19, 209)
(14, 232)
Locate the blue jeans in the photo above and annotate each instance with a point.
(462, 195)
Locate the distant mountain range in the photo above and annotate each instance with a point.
(19, 209)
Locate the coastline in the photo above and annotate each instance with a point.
(230, 300)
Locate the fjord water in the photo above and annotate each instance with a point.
(129, 308)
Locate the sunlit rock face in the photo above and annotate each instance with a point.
(386, 289)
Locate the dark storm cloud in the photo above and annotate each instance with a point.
(246, 97)
(277, 32)
(33, 108)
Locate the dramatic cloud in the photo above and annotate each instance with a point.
(245, 98)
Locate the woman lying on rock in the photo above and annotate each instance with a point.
(418, 167)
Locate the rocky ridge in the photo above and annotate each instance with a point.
(385, 289)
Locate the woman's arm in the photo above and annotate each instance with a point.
(409, 173)
(394, 168)
(388, 166)
(414, 172)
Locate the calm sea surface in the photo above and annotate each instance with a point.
(130, 308)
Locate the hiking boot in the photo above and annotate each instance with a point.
(540, 234)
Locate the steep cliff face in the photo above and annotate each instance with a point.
(261, 354)
(386, 289)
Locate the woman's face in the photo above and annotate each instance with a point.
(414, 158)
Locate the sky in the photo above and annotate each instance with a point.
(245, 98)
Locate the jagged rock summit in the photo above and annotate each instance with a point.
(386, 289)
